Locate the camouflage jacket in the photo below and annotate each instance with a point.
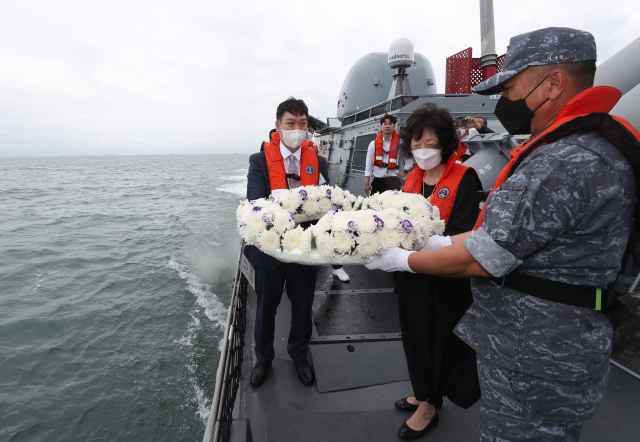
(564, 215)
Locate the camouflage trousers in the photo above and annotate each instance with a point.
(520, 407)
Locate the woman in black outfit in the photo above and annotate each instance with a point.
(440, 364)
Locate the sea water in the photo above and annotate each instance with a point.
(115, 279)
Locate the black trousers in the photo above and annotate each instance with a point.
(430, 308)
(380, 185)
(300, 282)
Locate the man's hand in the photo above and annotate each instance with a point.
(367, 186)
(401, 174)
(472, 123)
(392, 260)
(436, 242)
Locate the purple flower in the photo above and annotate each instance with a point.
(293, 216)
(256, 209)
(330, 212)
(252, 202)
(352, 226)
(429, 206)
(406, 226)
(268, 218)
(371, 208)
(303, 193)
(396, 193)
(271, 198)
(339, 207)
(379, 222)
(329, 192)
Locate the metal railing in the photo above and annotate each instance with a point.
(230, 367)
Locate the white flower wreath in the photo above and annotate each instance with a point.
(356, 228)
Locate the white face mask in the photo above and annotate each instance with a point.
(293, 138)
(309, 136)
(427, 159)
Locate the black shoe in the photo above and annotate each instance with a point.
(305, 372)
(259, 374)
(406, 432)
(404, 405)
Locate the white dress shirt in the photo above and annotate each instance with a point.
(381, 172)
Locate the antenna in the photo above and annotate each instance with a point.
(400, 58)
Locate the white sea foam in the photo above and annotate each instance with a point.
(238, 188)
(202, 402)
(205, 298)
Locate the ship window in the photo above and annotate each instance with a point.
(359, 157)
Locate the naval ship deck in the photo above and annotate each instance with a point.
(361, 371)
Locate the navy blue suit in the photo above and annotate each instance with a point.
(272, 275)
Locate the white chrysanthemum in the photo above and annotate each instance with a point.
(435, 214)
(323, 225)
(290, 204)
(358, 203)
(310, 207)
(407, 241)
(350, 197)
(292, 239)
(314, 193)
(344, 242)
(346, 205)
(283, 222)
(365, 221)
(269, 241)
(326, 245)
(250, 236)
(337, 198)
(305, 241)
(255, 222)
(389, 238)
(325, 204)
(367, 246)
(340, 221)
(420, 210)
(438, 227)
(400, 201)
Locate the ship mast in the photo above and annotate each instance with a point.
(488, 57)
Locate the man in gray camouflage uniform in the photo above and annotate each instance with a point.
(562, 216)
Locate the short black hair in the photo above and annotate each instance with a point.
(433, 118)
(293, 106)
(391, 118)
(312, 122)
(582, 72)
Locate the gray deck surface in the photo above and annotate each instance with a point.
(283, 409)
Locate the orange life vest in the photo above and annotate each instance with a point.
(313, 146)
(588, 110)
(393, 151)
(444, 194)
(309, 173)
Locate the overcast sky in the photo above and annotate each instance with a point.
(147, 77)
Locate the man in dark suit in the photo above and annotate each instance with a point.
(287, 162)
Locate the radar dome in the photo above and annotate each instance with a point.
(401, 53)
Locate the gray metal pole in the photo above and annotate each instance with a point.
(622, 69)
(488, 55)
(625, 369)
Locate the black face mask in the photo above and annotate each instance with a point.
(515, 115)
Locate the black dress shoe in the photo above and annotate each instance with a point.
(404, 405)
(406, 432)
(259, 374)
(305, 372)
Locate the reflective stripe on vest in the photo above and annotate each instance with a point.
(309, 173)
(444, 195)
(590, 104)
(393, 150)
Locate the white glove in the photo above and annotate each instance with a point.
(392, 260)
(436, 242)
